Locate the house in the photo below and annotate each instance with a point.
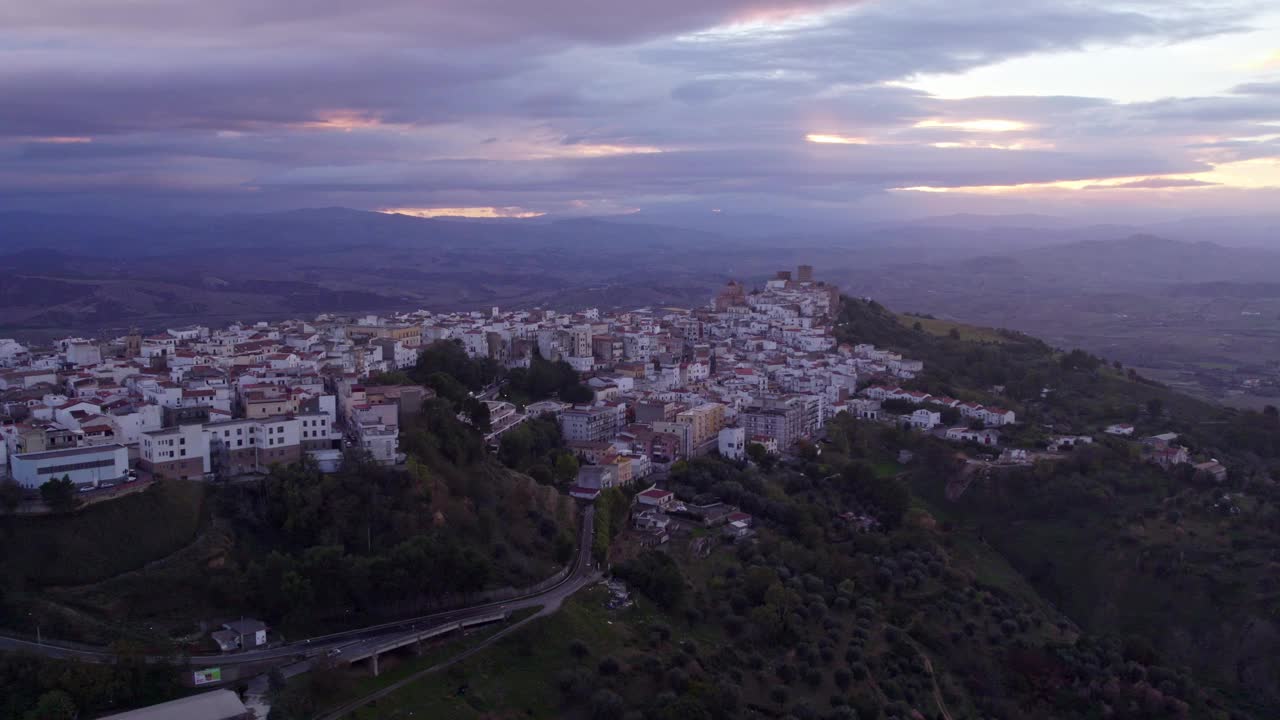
(650, 520)
(655, 497)
(997, 417)
(769, 444)
(653, 537)
(924, 419)
(982, 437)
(1212, 469)
(1067, 442)
(1119, 429)
(597, 477)
(249, 633)
(1166, 456)
(584, 493)
(738, 530)
(865, 409)
(594, 452)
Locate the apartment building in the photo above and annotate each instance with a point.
(704, 421)
(175, 453)
(589, 424)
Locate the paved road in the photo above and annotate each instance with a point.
(582, 574)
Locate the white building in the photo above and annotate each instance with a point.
(86, 466)
(733, 443)
(925, 419)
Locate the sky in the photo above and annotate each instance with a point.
(511, 108)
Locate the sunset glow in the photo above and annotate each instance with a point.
(465, 212)
(986, 125)
(828, 139)
(344, 120)
(1258, 173)
(59, 140)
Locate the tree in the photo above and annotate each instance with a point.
(656, 575)
(53, 705)
(607, 705)
(1155, 407)
(447, 356)
(10, 495)
(447, 387)
(577, 394)
(566, 467)
(478, 412)
(60, 495)
(759, 454)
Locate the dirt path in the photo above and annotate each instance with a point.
(937, 691)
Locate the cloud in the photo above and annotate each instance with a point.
(439, 22)
(461, 105)
(1154, 184)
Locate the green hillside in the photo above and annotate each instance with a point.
(1090, 586)
(305, 551)
(101, 540)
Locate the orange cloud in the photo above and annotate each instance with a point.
(344, 120)
(465, 212)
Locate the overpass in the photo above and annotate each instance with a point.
(372, 648)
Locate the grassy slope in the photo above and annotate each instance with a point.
(935, 326)
(104, 539)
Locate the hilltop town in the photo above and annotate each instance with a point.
(755, 366)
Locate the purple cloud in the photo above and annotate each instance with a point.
(458, 103)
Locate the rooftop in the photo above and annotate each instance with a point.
(215, 705)
(70, 452)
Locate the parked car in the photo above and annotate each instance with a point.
(131, 476)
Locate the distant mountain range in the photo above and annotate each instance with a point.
(1189, 295)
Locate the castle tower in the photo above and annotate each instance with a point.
(133, 343)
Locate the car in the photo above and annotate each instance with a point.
(131, 475)
(86, 488)
(334, 652)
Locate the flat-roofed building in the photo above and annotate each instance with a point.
(175, 453)
(85, 466)
(215, 705)
(704, 421)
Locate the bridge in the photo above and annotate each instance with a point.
(372, 648)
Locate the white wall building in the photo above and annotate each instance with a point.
(86, 466)
(733, 443)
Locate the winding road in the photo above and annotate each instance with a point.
(357, 641)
